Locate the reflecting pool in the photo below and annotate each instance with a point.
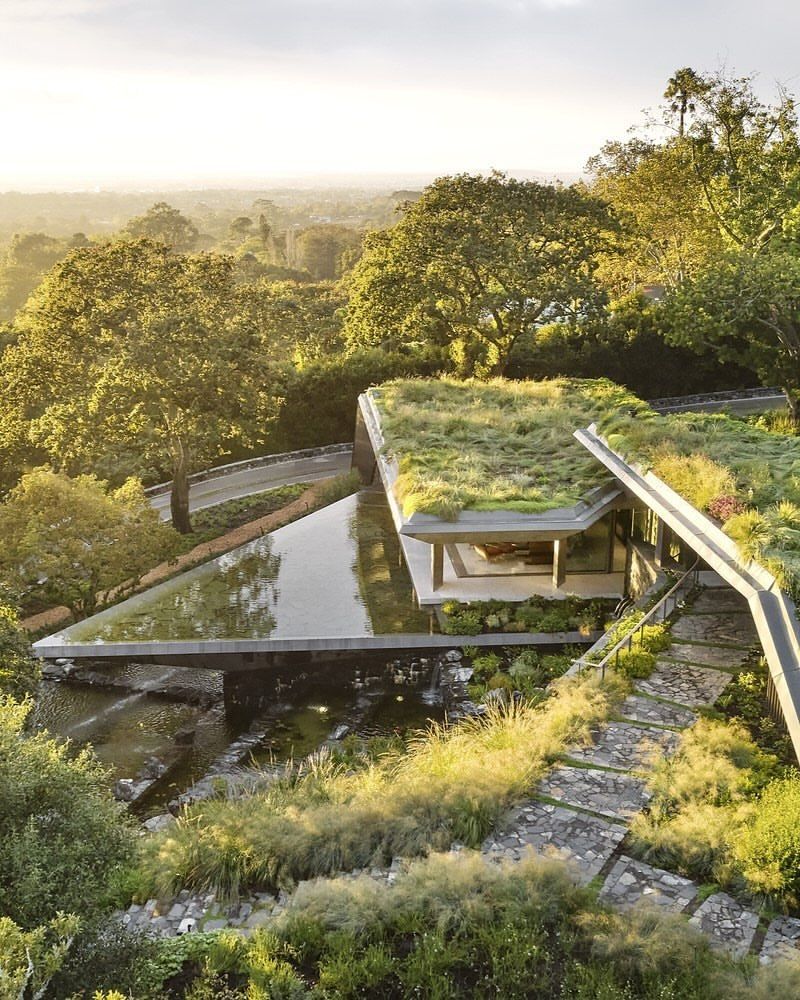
(337, 572)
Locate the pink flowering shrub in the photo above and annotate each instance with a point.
(725, 506)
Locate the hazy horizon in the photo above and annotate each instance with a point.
(138, 95)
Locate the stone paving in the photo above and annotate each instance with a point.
(616, 795)
(659, 713)
(727, 923)
(718, 600)
(733, 629)
(586, 842)
(782, 940)
(632, 883)
(685, 684)
(626, 746)
(709, 656)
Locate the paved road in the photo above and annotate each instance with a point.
(247, 481)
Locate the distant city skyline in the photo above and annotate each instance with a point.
(193, 93)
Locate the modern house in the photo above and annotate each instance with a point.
(526, 502)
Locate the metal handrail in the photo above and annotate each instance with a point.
(662, 607)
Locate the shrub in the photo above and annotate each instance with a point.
(767, 849)
(635, 662)
(19, 669)
(466, 622)
(486, 665)
(700, 800)
(62, 836)
(724, 507)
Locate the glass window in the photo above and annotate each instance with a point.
(590, 551)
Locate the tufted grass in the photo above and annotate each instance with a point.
(451, 784)
(493, 445)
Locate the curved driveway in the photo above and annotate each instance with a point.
(244, 482)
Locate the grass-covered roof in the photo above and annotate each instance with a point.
(509, 445)
(498, 445)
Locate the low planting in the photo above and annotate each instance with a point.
(537, 614)
(451, 784)
(214, 521)
(497, 445)
(745, 701)
(454, 926)
(520, 671)
(726, 812)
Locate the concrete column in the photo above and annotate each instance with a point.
(663, 542)
(559, 562)
(437, 565)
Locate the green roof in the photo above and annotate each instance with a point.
(498, 445)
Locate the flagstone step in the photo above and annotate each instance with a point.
(719, 600)
(725, 657)
(585, 842)
(616, 795)
(638, 708)
(626, 746)
(782, 940)
(684, 683)
(632, 883)
(727, 628)
(730, 926)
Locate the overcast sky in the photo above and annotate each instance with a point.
(138, 93)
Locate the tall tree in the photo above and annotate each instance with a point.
(745, 308)
(129, 348)
(476, 263)
(166, 224)
(683, 89)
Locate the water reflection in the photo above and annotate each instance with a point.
(338, 572)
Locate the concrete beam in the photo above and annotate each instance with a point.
(559, 562)
(437, 565)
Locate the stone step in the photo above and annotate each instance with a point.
(684, 683)
(638, 708)
(619, 796)
(730, 926)
(719, 600)
(626, 746)
(631, 882)
(585, 842)
(726, 658)
(782, 940)
(726, 628)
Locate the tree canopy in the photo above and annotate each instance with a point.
(71, 539)
(476, 263)
(165, 224)
(130, 350)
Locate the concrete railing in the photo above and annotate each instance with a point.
(255, 463)
(736, 400)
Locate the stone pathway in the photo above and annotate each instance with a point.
(630, 882)
(619, 796)
(627, 746)
(683, 683)
(728, 924)
(686, 677)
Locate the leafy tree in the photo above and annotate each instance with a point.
(28, 257)
(127, 348)
(19, 669)
(321, 250)
(301, 321)
(71, 539)
(746, 309)
(476, 263)
(667, 234)
(165, 224)
(63, 838)
(746, 156)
